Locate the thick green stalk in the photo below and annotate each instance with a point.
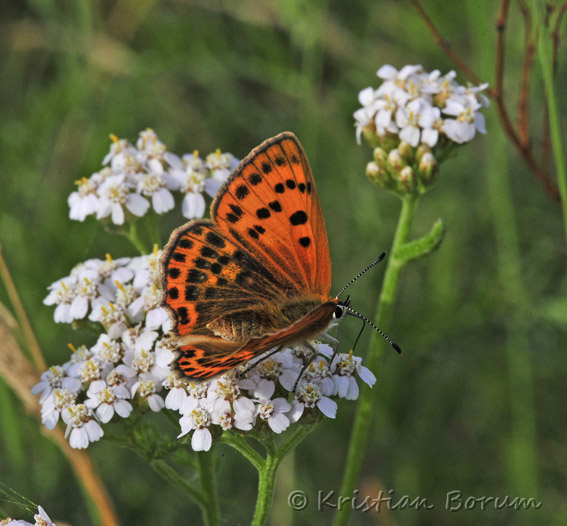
(207, 475)
(266, 483)
(366, 403)
(269, 468)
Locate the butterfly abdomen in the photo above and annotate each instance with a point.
(241, 326)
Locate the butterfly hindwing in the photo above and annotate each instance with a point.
(206, 357)
(270, 205)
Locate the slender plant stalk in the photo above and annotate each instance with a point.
(134, 237)
(545, 52)
(245, 449)
(521, 448)
(170, 475)
(23, 320)
(366, 403)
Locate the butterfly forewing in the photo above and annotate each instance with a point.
(271, 206)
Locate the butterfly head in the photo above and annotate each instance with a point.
(341, 308)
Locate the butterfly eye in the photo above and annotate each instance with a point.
(339, 311)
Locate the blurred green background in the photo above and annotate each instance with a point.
(477, 401)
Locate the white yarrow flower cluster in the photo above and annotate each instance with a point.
(100, 383)
(138, 178)
(421, 107)
(128, 368)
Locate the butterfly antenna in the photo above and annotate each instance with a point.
(380, 258)
(352, 312)
(359, 335)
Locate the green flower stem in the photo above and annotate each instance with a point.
(546, 61)
(170, 475)
(245, 449)
(211, 508)
(366, 403)
(134, 237)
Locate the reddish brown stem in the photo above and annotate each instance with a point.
(495, 93)
(523, 99)
(446, 46)
(556, 34)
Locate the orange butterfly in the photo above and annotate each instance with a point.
(257, 276)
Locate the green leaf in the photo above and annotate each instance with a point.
(422, 246)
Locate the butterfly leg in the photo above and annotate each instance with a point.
(335, 347)
(252, 365)
(314, 355)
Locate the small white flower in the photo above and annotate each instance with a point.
(54, 404)
(81, 426)
(148, 142)
(107, 400)
(146, 388)
(121, 375)
(407, 119)
(272, 410)
(84, 201)
(153, 184)
(199, 420)
(110, 316)
(308, 394)
(117, 147)
(54, 378)
(177, 392)
(114, 194)
(42, 519)
(62, 294)
(388, 72)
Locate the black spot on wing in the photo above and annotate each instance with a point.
(275, 206)
(208, 252)
(298, 218)
(196, 276)
(255, 179)
(191, 293)
(215, 240)
(173, 293)
(242, 191)
(263, 213)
